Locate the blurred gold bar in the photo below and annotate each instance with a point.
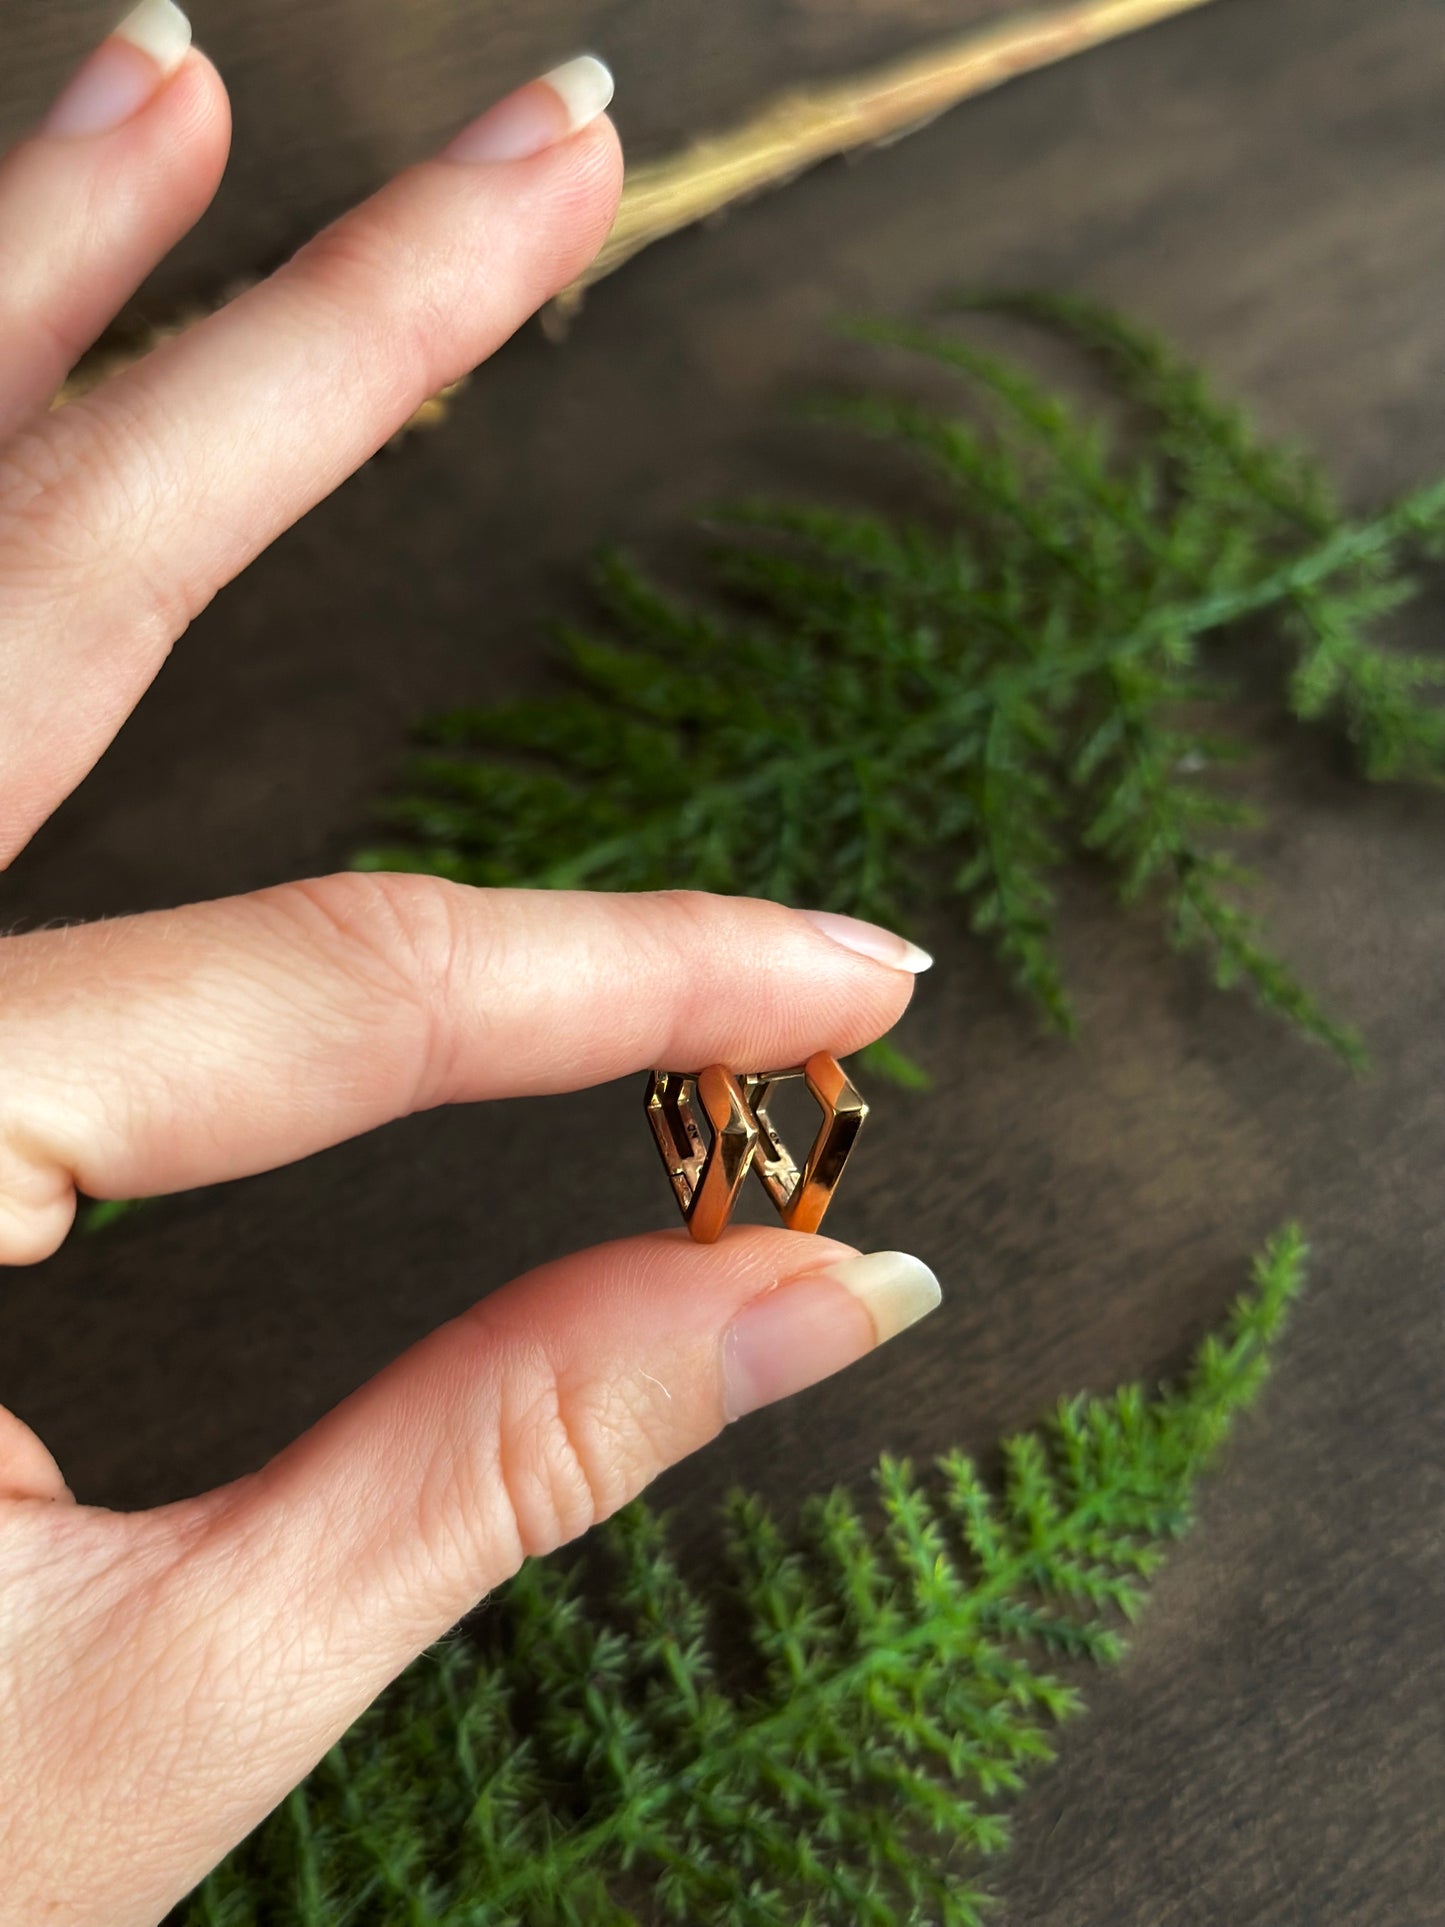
(799, 129)
(794, 132)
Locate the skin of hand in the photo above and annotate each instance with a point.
(167, 1676)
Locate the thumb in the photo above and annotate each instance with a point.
(542, 1409)
(519, 1425)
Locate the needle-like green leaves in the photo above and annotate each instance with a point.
(879, 714)
(832, 1734)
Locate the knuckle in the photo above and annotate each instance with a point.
(694, 916)
(34, 465)
(391, 930)
(395, 283)
(371, 287)
(559, 1455)
(692, 947)
(670, 931)
(553, 1475)
(407, 946)
(83, 485)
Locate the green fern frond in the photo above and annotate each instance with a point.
(887, 1682)
(99, 1214)
(883, 1058)
(1211, 442)
(881, 713)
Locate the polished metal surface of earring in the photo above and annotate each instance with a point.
(707, 1176)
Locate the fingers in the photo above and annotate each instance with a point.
(159, 1052)
(142, 498)
(27, 1471)
(126, 161)
(293, 1597)
(551, 1403)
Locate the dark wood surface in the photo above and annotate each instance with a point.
(332, 96)
(1265, 180)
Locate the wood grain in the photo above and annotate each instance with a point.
(1266, 181)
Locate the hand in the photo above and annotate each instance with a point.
(166, 1676)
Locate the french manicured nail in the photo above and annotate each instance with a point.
(538, 115)
(813, 1326)
(134, 62)
(869, 940)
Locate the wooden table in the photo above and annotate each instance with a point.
(1266, 181)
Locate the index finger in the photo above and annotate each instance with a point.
(157, 1052)
(122, 514)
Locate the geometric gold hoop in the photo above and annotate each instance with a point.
(706, 1177)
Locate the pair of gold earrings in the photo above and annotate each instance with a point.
(707, 1176)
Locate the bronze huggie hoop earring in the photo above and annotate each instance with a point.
(706, 1178)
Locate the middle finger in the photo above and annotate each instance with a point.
(122, 515)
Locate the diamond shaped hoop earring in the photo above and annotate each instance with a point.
(801, 1196)
(707, 1177)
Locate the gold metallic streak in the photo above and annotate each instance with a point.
(799, 129)
(792, 133)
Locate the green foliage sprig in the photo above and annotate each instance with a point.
(873, 712)
(846, 1753)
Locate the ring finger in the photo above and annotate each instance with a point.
(122, 166)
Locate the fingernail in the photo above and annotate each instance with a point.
(538, 115)
(813, 1326)
(123, 73)
(870, 940)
